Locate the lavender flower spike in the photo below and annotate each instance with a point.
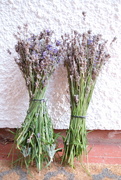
(48, 32)
(49, 47)
(58, 43)
(44, 54)
(55, 51)
(89, 41)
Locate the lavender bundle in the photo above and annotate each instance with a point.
(38, 57)
(84, 56)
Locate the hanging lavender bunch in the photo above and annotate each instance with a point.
(37, 59)
(84, 55)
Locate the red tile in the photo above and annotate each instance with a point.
(106, 147)
(105, 150)
(102, 160)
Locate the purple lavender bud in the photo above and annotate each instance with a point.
(33, 37)
(44, 54)
(52, 58)
(55, 51)
(35, 54)
(48, 32)
(49, 47)
(58, 43)
(89, 41)
(31, 46)
(29, 39)
(95, 62)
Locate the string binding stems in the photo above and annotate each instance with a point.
(78, 116)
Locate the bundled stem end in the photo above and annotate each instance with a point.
(75, 143)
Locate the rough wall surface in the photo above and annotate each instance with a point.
(103, 16)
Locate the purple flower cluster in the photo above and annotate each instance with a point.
(38, 56)
(49, 47)
(84, 54)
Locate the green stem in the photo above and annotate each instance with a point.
(36, 133)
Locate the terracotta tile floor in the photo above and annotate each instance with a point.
(105, 146)
(103, 160)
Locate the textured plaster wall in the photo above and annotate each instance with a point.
(103, 16)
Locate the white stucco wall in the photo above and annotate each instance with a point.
(103, 16)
